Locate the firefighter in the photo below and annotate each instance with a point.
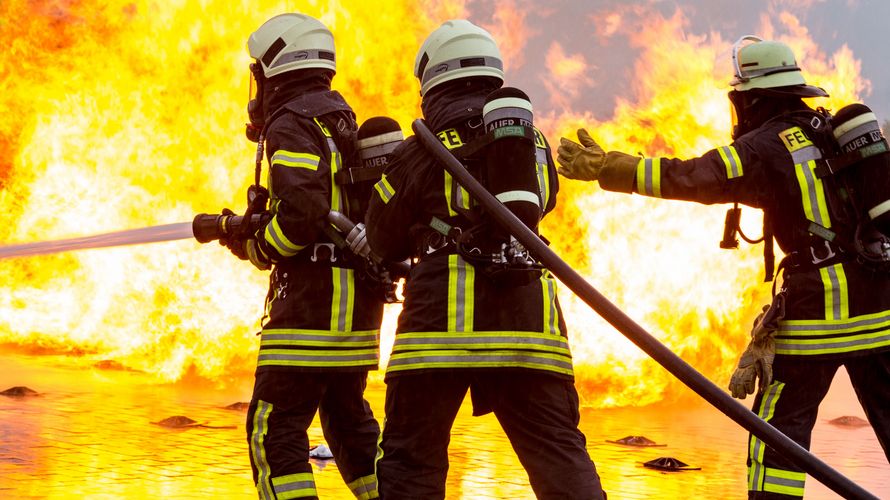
(461, 328)
(834, 307)
(320, 334)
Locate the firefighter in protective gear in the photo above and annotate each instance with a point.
(837, 308)
(458, 330)
(321, 332)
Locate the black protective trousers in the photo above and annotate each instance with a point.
(283, 406)
(538, 412)
(791, 404)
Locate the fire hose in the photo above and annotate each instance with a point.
(802, 458)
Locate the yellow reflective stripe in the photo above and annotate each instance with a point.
(812, 193)
(317, 357)
(493, 359)
(550, 313)
(294, 486)
(848, 343)
(481, 340)
(275, 237)
(461, 280)
(784, 481)
(318, 338)
(324, 130)
(258, 450)
(336, 195)
(343, 299)
(803, 328)
(731, 161)
(837, 301)
(649, 177)
(384, 189)
(291, 159)
(364, 488)
(448, 185)
(756, 447)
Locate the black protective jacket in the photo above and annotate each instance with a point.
(321, 315)
(835, 306)
(454, 316)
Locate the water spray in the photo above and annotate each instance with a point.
(152, 234)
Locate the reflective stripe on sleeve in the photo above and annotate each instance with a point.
(384, 189)
(275, 237)
(299, 160)
(649, 177)
(300, 485)
(731, 161)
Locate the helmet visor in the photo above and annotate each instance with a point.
(738, 76)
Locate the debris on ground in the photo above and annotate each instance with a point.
(19, 392)
(239, 406)
(669, 464)
(321, 452)
(183, 422)
(640, 441)
(849, 421)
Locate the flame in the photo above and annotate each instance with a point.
(124, 114)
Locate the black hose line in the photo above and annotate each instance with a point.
(816, 468)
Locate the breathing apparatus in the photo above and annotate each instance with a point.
(862, 172)
(376, 140)
(504, 160)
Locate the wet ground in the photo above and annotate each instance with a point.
(90, 434)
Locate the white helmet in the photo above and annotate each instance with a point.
(288, 42)
(764, 64)
(457, 49)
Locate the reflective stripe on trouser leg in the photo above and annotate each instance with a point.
(365, 488)
(756, 447)
(258, 451)
(300, 485)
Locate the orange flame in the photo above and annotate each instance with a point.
(121, 114)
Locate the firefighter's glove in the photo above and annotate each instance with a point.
(248, 249)
(580, 161)
(357, 240)
(756, 362)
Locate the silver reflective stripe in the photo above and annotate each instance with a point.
(455, 64)
(260, 420)
(541, 167)
(376, 151)
(730, 157)
(805, 154)
(388, 140)
(478, 359)
(271, 338)
(836, 292)
(344, 299)
(848, 325)
(298, 485)
(810, 178)
(460, 295)
(446, 340)
(322, 356)
(830, 345)
(551, 296)
(765, 412)
(786, 482)
(509, 196)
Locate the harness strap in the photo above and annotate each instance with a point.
(831, 166)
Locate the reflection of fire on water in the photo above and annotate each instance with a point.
(124, 115)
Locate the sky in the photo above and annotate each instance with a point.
(587, 33)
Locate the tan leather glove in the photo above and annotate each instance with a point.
(580, 161)
(615, 171)
(756, 361)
